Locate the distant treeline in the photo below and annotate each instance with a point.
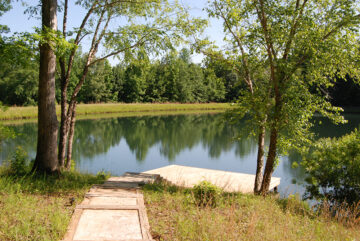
(173, 78)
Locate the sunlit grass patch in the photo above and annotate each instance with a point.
(40, 208)
(30, 112)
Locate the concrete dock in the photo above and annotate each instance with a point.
(229, 181)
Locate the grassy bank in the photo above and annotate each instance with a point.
(40, 208)
(173, 215)
(30, 112)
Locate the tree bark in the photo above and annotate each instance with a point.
(274, 132)
(46, 156)
(71, 138)
(63, 122)
(64, 86)
(270, 161)
(260, 160)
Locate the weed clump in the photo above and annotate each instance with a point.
(206, 194)
(19, 164)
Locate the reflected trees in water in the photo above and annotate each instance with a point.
(173, 134)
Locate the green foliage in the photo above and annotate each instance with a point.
(54, 38)
(5, 5)
(99, 84)
(103, 175)
(18, 71)
(206, 194)
(6, 132)
(287, 53)
(175, 79)
(172, 79)
(333, 166)
(19, 164)
(231, 81)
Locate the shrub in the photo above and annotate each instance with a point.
(333, 166)
(19, 164)
(206, 194)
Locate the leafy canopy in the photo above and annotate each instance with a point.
(291, 50)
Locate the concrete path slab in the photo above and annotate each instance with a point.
(108, 225)
(229, 181)
(112, 211)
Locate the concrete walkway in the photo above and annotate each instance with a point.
(113, 211)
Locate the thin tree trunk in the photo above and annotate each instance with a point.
(64, 84)
(274, 132)
(260, 160)
(46, 155)
(71, 137)
(63, 125)
(270, 161)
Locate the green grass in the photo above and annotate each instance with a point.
(30, 112)
(39, 208)
(174, 215)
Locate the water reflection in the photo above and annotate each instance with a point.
(173, 134)
(142, 143)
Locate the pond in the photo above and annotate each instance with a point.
(137, 144)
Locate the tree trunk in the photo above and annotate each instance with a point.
(71, 137)
(260, 160)
(46, 156)
(274, 132)
(270, 161)
(63, 127)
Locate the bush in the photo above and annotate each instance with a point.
(334, 169)
(19, 164)
(206, 194)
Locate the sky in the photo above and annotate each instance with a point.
(18, 21)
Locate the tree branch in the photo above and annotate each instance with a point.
(339, 26)
(294, 27)
(72, 55)
(269, 45)
(240, 45)
(141, 41)
(65, 18)
(267, 31)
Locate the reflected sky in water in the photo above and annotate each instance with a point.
(138, 144)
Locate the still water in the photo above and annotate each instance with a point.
(137, 144)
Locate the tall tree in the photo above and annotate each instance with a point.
(46, 155)
(298, 45)
(158, 31)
